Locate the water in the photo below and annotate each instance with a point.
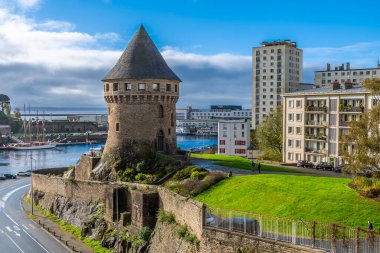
(15, 161)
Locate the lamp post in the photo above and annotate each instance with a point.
(31, 172)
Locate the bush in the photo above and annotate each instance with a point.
(140, 177)
(367, 187)
(126, 175)
(184, 233)
(165, 217)
(145, 233)
(186, 172)
(198, 175)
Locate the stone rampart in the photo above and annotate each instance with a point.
(186, 211)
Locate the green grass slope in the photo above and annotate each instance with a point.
(241, 163)
(321, 199)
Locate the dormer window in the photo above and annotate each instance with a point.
(128, 86)
(175, 88)
(107, 87)
(142, 86)
(168, 87)
(115, 87)
(156, 87)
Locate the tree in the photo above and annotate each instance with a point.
(268, 135)
(361, 146)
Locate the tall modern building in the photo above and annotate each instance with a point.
(277, 68)
(343, 73)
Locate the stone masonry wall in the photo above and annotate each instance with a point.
(85, 167)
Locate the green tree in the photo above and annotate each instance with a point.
(360, 147)
(268, 135)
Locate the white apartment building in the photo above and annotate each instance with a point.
(277, 69)
(343, 73)
(233, 114)
(315, 120)
(233, 137)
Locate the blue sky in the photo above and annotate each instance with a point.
(54, 52)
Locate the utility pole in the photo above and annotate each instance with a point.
(31, 172)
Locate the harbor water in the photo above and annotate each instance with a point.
(14, 161)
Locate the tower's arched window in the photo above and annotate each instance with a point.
(160, 111)
(117, 127)
(171, 119)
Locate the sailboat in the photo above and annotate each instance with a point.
(33, 145)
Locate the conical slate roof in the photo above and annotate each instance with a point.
(141, 60)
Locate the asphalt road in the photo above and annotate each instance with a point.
(18, 233)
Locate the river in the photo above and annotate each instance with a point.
(15, 161)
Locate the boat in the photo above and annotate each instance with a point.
(182, 131)
(32, 146)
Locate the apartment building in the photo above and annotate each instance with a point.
(277, 69)
(221, 112)
(315, 120)
(233, 137)
(343, 73)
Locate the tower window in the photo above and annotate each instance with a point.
(175, 88)
(168, 87)
(117, 127)
(107, 87)
(115, 87)
(156, 87)
(169, 131)
(172, 119)
(128, 86)
(142, 86)
(160, 111)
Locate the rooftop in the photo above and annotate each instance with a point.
(279, 43)
(141, 60)
(328, 90)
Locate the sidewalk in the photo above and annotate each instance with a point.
(211, 165)
(55, 231)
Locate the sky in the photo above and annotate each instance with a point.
(53, 53)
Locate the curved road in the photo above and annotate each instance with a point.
(18, 233)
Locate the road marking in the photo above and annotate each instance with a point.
(6, 196)
(31, 225)
(2, 204)
(24, 226)
(9, 217)
(36, 240)
(10, 238)
(16, 228)
(16, 233)
(9, 229)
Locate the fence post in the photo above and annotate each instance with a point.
(313, 233)
(294, 232)
(261, 226)
(357, 241)
(276, 229)
(334, 234)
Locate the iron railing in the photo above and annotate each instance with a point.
(331, 237)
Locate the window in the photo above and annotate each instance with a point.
(290, 143)
(298, 143)
(242, 134)
(175, 88)
(222, 150)
(168, 87)
(107, 87)
(160, 111)
(290, 116)
(128, 86)
(117, 127)
(290, 130)
(298, 130)
(239, 143)
(142, 86)
(242, 126)
(222, 142)
(298, 117)
(290, 156)
(115, 87)
(172, 119)
(239, 151)
(156, 87)
(298, 103)
(224, 133)
(291, 104)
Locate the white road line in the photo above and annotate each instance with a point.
(9, 229)
(16, 233)
(10, 238)
(16, 228)
(9, 217)
(6, 196)
(24, 226)
(31, 225)
(36, 240)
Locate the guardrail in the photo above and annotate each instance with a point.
(331, 237)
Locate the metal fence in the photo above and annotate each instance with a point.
(331, 237)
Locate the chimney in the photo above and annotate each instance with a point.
(348, 67)
(328, 67)
(347, 84)
(336, 85)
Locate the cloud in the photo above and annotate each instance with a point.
(28, 4)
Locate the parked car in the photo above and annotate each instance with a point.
(304, 164)
(324, 166)
(10, 176)
(241, 224)
(2, 177)
(338, 169)
(210, 220)
(23, 174)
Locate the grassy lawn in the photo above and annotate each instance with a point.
(321, 199)
(241, 163)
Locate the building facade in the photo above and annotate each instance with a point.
(233, 137)
(277, 69)
(343, 73)
(315, 120)
(141, 92)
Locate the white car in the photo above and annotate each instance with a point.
(22, 173)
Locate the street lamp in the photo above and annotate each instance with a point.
(31, 172)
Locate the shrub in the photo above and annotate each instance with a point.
(140, 177)
(198, 175)
(186, 172)
(192, 186)
(165, 217)
(126, 175)
(367, 187)
(145, 233)
(184, 233)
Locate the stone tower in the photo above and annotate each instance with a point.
(141, 92)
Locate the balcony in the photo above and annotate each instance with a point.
(316, 151)
(344, 123)
(355, 109)
(316, 123)
(319, 137)
(312, 108)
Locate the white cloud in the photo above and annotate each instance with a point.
(28, 4)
